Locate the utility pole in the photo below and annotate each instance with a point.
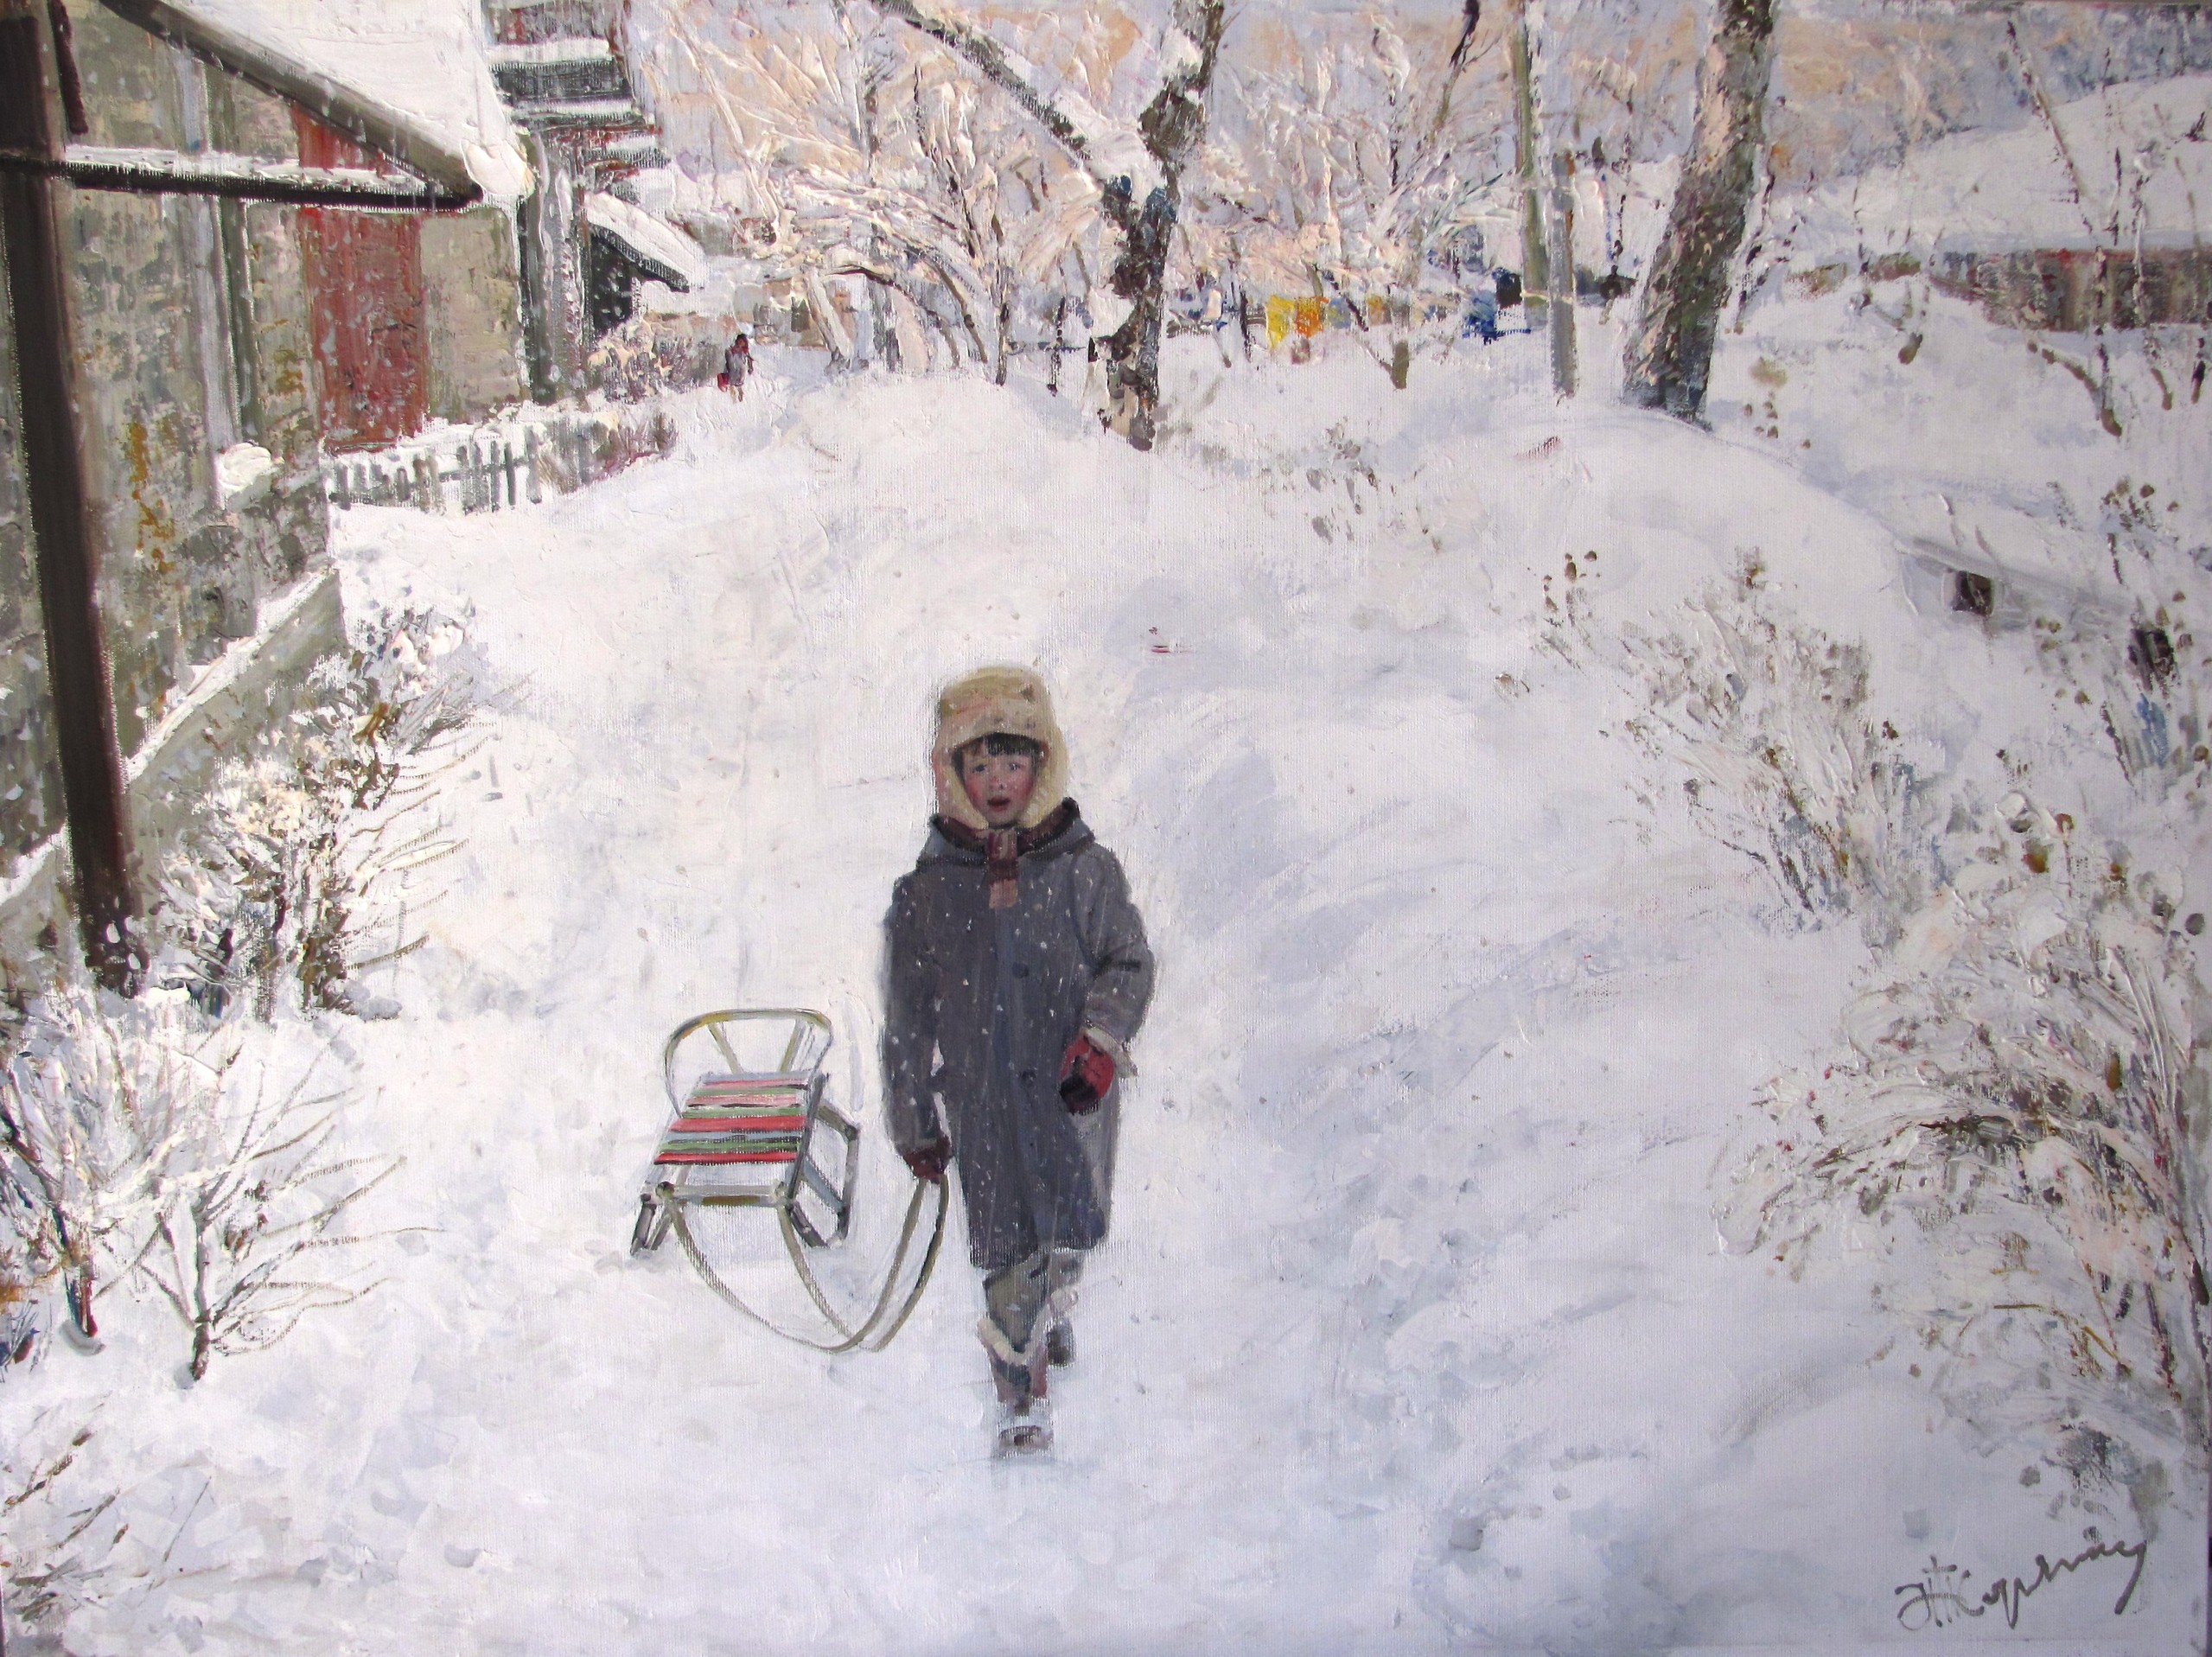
(56, 491)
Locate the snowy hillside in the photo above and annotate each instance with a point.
(2133, 156)
(1416, 1330)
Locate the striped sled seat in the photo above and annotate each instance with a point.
(750, 1135)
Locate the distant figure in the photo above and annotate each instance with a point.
(736, 363)
(1481, 322)
(1213, 312)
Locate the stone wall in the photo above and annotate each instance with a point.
(191, 337)
(473, 308)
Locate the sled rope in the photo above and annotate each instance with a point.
(874, 1333)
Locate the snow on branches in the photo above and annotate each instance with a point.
(251, 1195)
(867, 155)
(140, 1138)
(1347, 161)
(1004, 165)
(2022, 1087)
(99, 1095)
(300, 862)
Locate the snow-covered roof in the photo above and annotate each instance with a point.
(576, 49)
(660, 250)
(591, 112)
(1989, 192)
(418, 69)
(669, 192)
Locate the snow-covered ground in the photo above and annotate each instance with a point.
(1414, 1332)
(2139, 146)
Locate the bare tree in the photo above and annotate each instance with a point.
(1352, 168)
(1669, 355)
(1140, 186)
(867, 159)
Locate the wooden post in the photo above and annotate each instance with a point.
(57, 492)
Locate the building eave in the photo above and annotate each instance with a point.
(388, 132)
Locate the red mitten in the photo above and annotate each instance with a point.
(927, 1161)
(1085, 1075)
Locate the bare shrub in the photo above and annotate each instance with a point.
(1766, 722)
(2021, 1094)
(59, 1541)
(2151, 675)
(2016, 1114)
(244, 1242)
(99, 1094)
(138, 1136)
(298, 866)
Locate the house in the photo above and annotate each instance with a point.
(415, 317)
(560, 68)
(221, 230)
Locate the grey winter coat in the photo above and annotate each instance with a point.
(981, 1005)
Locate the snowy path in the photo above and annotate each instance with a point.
(1414, 1331)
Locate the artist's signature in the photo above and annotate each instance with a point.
(1942, 1596)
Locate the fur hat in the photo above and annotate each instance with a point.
(998, 701)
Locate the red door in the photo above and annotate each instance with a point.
(365, 287)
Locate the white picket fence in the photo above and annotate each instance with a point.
(501, 464)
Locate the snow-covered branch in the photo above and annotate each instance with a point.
(254, 1195)
(93, 1104)
(991, 61)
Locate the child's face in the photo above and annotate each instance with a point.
(998, 784)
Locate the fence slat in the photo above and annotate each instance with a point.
(565, 452)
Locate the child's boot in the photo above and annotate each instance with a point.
(1018, 1375)
(1026, 1431)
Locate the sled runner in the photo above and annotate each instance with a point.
(751, 1129)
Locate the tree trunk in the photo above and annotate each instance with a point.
(1559, 263)
(77, 1291)
(1670, 349)
(1140, 275)
(1535, 265)
(1170, 128)
(203, 1315)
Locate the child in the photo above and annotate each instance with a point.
(1017, 973)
